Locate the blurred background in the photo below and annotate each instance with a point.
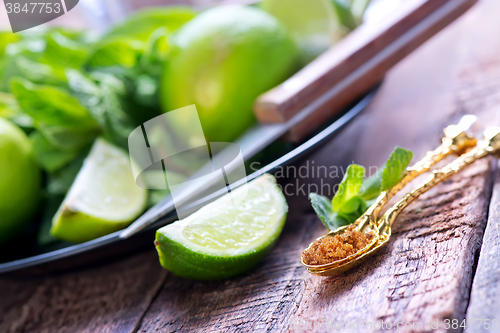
(101, 13)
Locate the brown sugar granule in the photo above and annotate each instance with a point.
(332, 248)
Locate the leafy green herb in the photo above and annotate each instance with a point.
(395, 168)
(348, 189)
(323, 208)
(344, 14)
(102, 94)
(47, 155)
(51, 106)
(122, 52)
(62, 51)
(356, 193)
(10, 109)
(372, 185)
(56, 114)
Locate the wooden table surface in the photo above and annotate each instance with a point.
(442, 263)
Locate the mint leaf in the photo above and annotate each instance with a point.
(372, 185)
(122, 52)
(7, 38)
(349, 187)
(395, 168)
(51, 106)
(56, 114)
(323, 208)
(10, 109)
(354, 205)
(49, 157)
(353, 209)
(387, 175)
(102, 94)
(62, 51)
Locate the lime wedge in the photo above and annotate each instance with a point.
(313, 24)
(103, 198)
(224, 239)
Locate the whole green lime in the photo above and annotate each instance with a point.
(221, 61)
(20, 181)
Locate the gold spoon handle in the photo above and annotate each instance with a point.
(489, 145)
(419, 168)
(455, 140)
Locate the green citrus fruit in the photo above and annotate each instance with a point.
(19, 181)
(103, 198)
(313, 24)
(221, 61)
(222, 239)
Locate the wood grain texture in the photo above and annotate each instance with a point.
(109, 298)
(483, 82)
(485, 295)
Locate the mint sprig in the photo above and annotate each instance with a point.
(356, 193)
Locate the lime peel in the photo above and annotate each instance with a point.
(222, 240)
(103, 198)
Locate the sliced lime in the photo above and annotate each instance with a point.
(313, 24)
(226, 237)
(103, 198)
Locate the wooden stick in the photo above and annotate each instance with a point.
(354, 65)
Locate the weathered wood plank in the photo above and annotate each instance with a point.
(483, 83)
(423, 275)
(485, 295)
(108, 298)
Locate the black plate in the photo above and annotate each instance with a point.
(41, 260)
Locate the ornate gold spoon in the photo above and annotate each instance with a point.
(455, 140)
(490, 145)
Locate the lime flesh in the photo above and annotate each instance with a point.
(224, 239)
(103, 198)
